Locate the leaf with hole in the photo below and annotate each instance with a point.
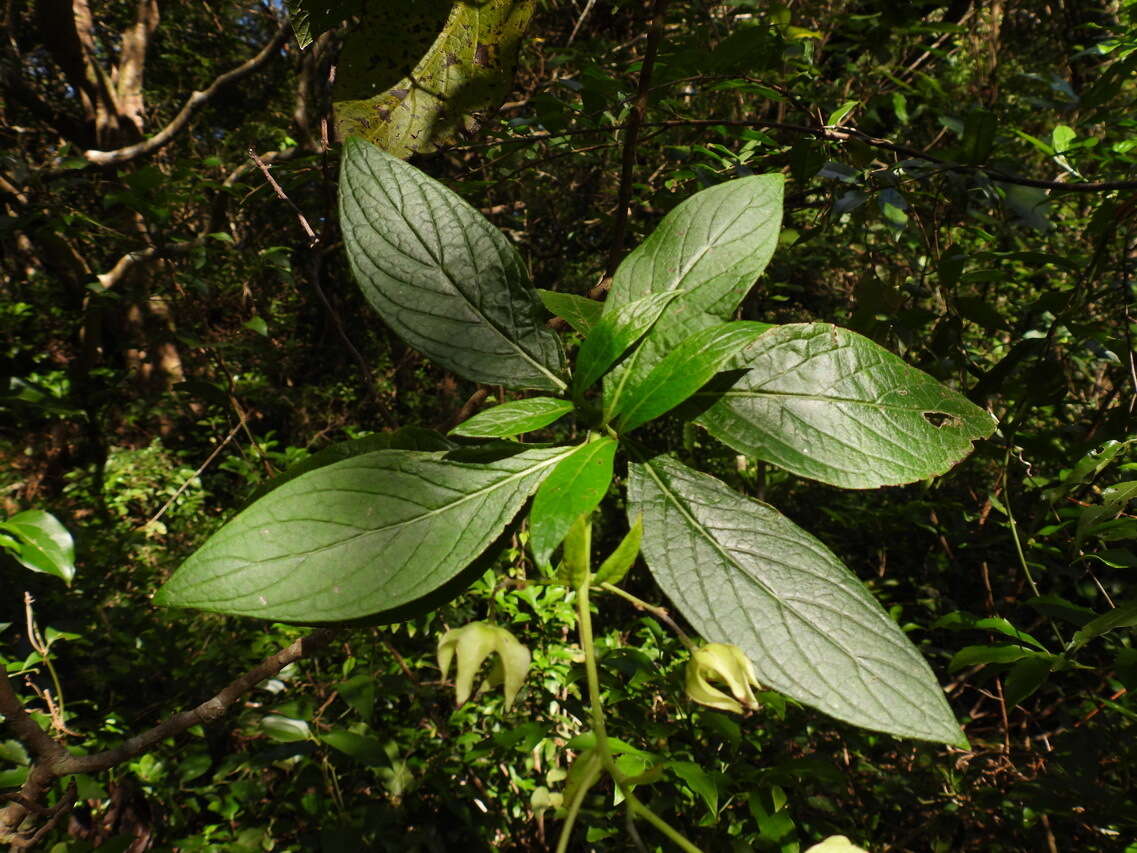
(441, 276)
(826, 403)
(742, 573)
(358, 537)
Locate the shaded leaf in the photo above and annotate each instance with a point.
(366, 750)
(613, 569)
(1025, 677)
(743, 574)
(357, 537)
(579, 312)
(615, 333)
(828, 404)
(681, 372)
(441, 276)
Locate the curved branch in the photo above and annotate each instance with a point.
(53, 761)
(191, 106)
(207, 712)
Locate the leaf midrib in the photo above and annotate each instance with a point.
(559, 383)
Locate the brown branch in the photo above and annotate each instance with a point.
(313, 240)
(53, 761)
(25, 728)
(635, 120)
(191, 106)
(844, 134)
(207, 712)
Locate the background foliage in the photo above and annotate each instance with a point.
(174, 335)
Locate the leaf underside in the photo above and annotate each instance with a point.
(358, 537)
(441, 276)
(742, 573)
(831, 405)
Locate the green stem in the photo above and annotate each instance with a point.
(1014, 526)
(574, 810)
(596, 703)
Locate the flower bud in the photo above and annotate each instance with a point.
(727, 665)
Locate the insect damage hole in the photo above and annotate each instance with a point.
(940, 419)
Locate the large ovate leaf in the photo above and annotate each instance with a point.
(682, 372)
(358, 537)
(829, 404)
(441, 276)
(575, 487)
(414, 74)
(744, 574)
(713, 246)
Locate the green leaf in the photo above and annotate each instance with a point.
(441, 276)
(698, 781)
(514, 418)
(613, 569)
(826, 403)
(957, 621)
(972, 655)
(1025, 677)
(579, 312)
(713, 247)
(285, 729)
(357, 537)
(840, 113)
(978, 136)
(615, 333)
(742, 573)
(404, 438)
(460, 57)
(575, 487)
(682, 372)
(42, 543)
(1122, 616)
(311, 18)
(364, 749)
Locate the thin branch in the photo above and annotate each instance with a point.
(844, 134)
(53, 761)
(191, 106)
(24, 727)
(312, 238)
(207, 712)
(639, 108)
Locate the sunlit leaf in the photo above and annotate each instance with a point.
(742, 573)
